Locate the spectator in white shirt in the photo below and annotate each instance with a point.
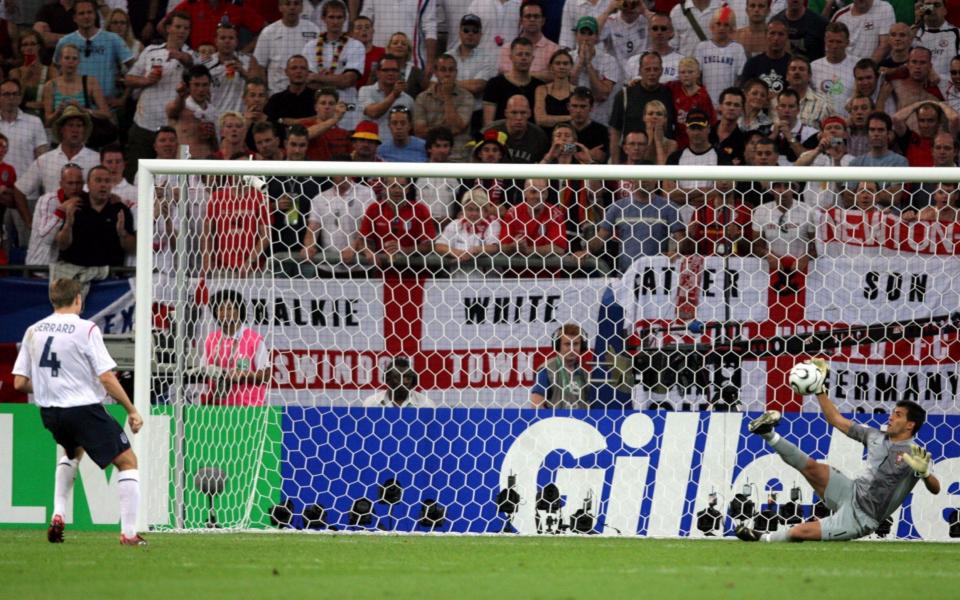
(438, 192)
(476, 232)
(593, 68)
(282, 39)
(71, 132)
(416, 18)
(230, 70)
(937, 35)
(832, 75)
(950, 86)
(501, 23)
(573, 11)
(474, 66)
(48, 216)
(25, 132)
(624, 30)
(111, 157)
(868, 22)
(721, 59)
(157, 73)
(785, 230)
(337, 60)
(684, 15)
(335, 216)
(661, 36)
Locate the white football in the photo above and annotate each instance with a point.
(805, 378)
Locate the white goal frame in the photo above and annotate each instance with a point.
(150, 439)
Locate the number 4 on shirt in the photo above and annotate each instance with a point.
(49, 359)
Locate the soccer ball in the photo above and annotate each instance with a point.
(805, 378)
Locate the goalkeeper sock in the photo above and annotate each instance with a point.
(63, 485)
(128, 488)
(793, 456)
(779, 535)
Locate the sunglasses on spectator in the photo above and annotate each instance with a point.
(470, 29)
(659, 28)
(399, 109)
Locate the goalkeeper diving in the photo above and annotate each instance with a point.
(894, 465)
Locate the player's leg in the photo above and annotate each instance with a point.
(798, 533)
(66, 475)
(57, 422)
(106, 443)
(817, 474)
(128, 490)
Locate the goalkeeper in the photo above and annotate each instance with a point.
(894, 464)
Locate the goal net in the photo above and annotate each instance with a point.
(534, 349)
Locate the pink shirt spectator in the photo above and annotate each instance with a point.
(243, 352)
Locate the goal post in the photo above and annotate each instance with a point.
(265, 332)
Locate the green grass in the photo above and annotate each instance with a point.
(299, 566)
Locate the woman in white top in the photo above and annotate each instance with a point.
(475, 232)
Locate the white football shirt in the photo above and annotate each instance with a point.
(64, 356)
(338, 214)
(277, 43)
(151, 108)
(835, 81)
(720, 66)
(866, 29)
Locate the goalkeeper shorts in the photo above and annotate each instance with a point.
(847, 522)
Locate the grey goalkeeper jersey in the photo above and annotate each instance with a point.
(886, 479)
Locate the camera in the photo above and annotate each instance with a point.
(569, 148)
(837, 141)
(351, 107)
(928, 9)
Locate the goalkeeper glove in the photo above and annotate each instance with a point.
(919, 460)
(824, 368)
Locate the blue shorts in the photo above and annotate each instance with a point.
(89, 427)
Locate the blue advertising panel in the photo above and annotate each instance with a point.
(635, 473)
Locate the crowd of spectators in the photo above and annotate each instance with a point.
(89, 88)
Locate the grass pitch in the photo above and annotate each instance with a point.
(296, 566)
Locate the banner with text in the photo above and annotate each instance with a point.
(630, 473)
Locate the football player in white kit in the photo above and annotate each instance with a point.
(65, 365)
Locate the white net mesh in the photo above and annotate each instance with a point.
(568, 354)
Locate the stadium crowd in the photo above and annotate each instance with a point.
(91, 86)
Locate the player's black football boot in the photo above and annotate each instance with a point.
(55, 531)
(746, 534)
